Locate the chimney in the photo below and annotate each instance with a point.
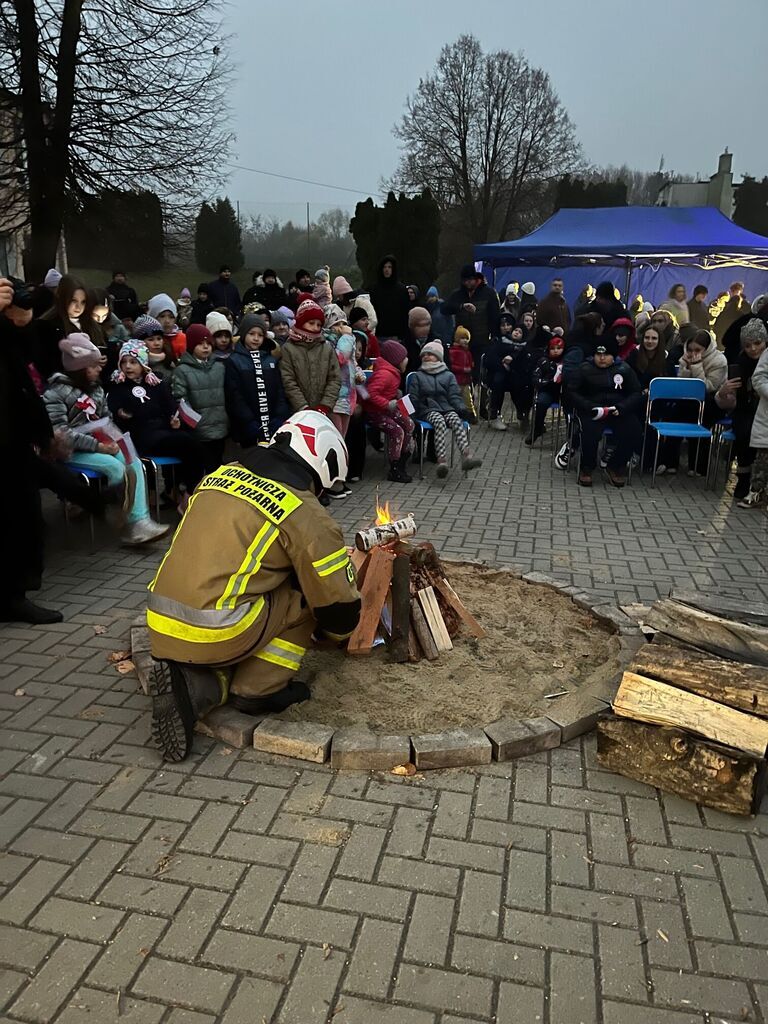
(725, 163)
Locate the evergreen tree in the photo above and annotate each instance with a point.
(116, 229)
(218, 237)
(751, 211)
(408, 227)
(575, 193)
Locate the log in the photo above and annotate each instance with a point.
(454, 601)
(421, 629)
(648, 700)
(401, 608)
(373, 595)
(434, 618)
(754, 613)
(740, 686)
(710, 632)
(375, 536)
(716, 776)
(415, 653)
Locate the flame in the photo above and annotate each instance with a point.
(383, 515)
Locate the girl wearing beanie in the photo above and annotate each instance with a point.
(338, 334)
(199, 381)
(321, 293)
(309, 368)
(163, 308)
(220, 328)
(437, 399)
(462, 364)
(76, 398)
(253, 387)
(383, 391)
(162, 361)
(144, 405)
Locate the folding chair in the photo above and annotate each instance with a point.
(676, 389)
(607, 432)
(157, 462)
(482, 389)
(91, 477)
(554, 407)
(722, 434)
(424, 427)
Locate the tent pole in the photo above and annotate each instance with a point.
(627, 282)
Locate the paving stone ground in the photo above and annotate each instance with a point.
(243, 889)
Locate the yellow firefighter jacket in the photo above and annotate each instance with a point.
(242, 536)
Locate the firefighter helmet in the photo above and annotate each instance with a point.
(317, 442)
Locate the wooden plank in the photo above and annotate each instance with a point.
(421, 629)
(359, 560)
(719, 777)
(401, 608)
(455, 602)
(710, 632)
(740, 686)
(374, 593)
(754, 613)
(660, 704)
(434, 619)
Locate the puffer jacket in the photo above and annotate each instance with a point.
(69, 406)
(713, 368)
(344, 344)
(759, 436)
(435, 392)
(202, 386)
(593, 386)
(311, 374)
(382, 387)
(242, 395)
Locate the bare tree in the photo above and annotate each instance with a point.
(485, 133)
(102, 93)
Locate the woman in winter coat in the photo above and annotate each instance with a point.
(390, 300)
(759, 437)
(738, 397)
(700, 360)
(383, 412)
(144, 405)
(438, 400)
(677, 304)
(253, 388)
(649, 361)
(199, 381)
(76, 398)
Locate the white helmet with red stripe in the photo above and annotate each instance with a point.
(317, 442)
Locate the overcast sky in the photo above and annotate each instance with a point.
(318, 85)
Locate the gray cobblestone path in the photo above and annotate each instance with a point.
(240, 888)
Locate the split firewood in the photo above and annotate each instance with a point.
(421, 629)
(754, 613)
(434, 618)
(401, 608)
(373, 595)
(710, 632)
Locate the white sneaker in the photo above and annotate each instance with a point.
(563, 457)
(497, 424)
(143, 531)
(753, 500)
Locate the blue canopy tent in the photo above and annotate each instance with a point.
(637, 248)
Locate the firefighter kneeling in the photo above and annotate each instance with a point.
(255, 568)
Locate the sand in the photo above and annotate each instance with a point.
(538, 642)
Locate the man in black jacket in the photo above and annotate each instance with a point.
(606, 394)
(223, 292)
(476, 307)
(124, 301)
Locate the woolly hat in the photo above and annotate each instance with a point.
(52, 278)
(334, 315)
(759, 302)
(607, 345)
(78, 352)
(160, 304)
(145, 326)
(647, 307)
(556, 341)
(286, 312)
(357, 313)
(278, 317)
(186, 295)
(196, 335)
(433, 348)
(432, 292)
(249, 321)
(753, 330)
(340, 288)
(135, 348)
(393, 352)
(467, 272)
(217, 322)
(529, 288)
(419, 315)
(269, 272)
(323, 276)
(505, 318)
(462, 334)
(308, 311)
(512, 288)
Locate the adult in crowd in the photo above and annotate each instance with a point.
(201, 306)
(44, 296)
(737, 397)
(124, 301)
(304, 281)
(553, 310)
(701, 360)
(735, 306)
(223, 291)
(584, 300)
(698, 308)
(666, 325)
(475, 305)
(731, 340)
(269, 291)
(24, 430)
(442, 323)
(390, 300)
(342, 292)
(509, 298)
(528, 299)
(606, 304)
(677, 304)
(250, 293)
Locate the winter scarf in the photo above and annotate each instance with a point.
(433, 367)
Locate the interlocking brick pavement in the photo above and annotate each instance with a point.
(238, 887)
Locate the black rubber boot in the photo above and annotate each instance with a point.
(294, 693)
(24, 610)
(181, 694)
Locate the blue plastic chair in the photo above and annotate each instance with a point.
(676, 389)
(91, 477)
(424, 427)
(157, 462)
